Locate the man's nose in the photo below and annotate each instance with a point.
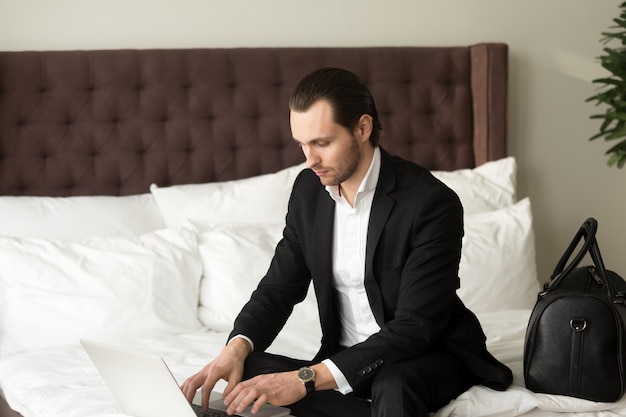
(312, 159)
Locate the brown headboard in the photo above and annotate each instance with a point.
(112, 122)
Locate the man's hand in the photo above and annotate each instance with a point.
(278, 389)
(228, 365)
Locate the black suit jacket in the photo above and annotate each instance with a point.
(411, 276)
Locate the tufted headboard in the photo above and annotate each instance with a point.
(111, 122)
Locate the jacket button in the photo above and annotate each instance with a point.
(368, 369)
(360, 372)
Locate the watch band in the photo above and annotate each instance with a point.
(310, 387)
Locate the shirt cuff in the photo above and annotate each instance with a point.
(342, 383)
(246, 338)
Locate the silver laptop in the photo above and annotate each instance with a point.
(144, 386)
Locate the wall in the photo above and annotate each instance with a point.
(553, 45)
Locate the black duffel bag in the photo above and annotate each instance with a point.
(575, 341)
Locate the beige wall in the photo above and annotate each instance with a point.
(553, 44)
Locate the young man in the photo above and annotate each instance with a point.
(381, 239)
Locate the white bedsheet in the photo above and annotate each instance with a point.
(62, 382)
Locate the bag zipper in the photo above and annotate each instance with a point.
(594, 274)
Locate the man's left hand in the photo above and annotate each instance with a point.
(278, 389)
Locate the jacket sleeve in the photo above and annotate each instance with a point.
(285, 284)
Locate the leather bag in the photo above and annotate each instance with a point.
(575, 342)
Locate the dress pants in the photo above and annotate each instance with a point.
(405, 389)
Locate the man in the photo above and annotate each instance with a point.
(381, 239)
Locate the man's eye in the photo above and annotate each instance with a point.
(322, 144)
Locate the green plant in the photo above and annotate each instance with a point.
(613, 92)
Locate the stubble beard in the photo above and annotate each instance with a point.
(349, 168)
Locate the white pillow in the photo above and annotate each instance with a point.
(235, 257)
(54, 292)
(490, 186)
(264, 198)
(74, 218)
(260, 199)
(498, 265)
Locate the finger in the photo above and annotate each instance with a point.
(189, 387)
(206, 390)
(234, 380)
(184, 386)
(231, 392)
(230, 387)
(259, 403)
(243, 400)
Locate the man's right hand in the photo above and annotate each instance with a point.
(228, 365)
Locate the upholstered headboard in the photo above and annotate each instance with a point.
(112, 122)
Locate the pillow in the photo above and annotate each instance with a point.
(73, 218)
(260, 199)
(490, 186)
(498, 265)
(55, 292)
(235, 257)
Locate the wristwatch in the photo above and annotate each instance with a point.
(306, 375)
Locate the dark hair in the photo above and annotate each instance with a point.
(346, 93)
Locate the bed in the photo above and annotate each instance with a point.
(142, 193)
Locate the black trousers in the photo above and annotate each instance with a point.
(405, 389)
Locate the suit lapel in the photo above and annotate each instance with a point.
(321, 270)
(381, 209)
(323, 235)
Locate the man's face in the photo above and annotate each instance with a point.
(331, 150)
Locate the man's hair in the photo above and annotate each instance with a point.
(347, 95)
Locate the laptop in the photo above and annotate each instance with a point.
(143, 385)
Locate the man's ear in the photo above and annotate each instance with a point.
(364, 128)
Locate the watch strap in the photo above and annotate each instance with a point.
(310, 387)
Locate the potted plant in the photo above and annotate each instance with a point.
(613, 91)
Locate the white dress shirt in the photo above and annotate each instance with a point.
(349, 242)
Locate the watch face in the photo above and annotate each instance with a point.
(306, 374)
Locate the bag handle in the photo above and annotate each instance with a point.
(588, 231)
